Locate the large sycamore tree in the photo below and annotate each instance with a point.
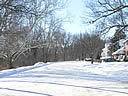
(18, 21)
(107, 14)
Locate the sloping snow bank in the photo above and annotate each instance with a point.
(9, 72)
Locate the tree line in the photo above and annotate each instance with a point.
(31, 32)
(25, 24)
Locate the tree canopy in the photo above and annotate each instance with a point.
(108, 14)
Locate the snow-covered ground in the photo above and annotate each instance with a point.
(72, 78)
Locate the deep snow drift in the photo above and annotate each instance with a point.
(72, 78)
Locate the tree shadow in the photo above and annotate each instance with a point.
(25, 91)
(67, 75)
(108, 89)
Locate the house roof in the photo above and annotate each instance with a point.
(125, 41)
(119, 51)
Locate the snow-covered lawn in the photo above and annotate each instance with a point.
(72, 78)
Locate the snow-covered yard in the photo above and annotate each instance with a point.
(72, 78)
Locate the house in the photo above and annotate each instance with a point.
(126, 47)
(122, 53)
(119, 54)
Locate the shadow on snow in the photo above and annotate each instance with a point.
(68, 85)
(25, 91)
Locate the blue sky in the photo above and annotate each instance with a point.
(74, 11)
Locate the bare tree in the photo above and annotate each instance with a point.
(66, 42)
(15, 15)
(108, 14)
(85, 45)
(92, 45)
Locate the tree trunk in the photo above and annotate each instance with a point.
(64, 56)
(55, 55)
(10, 64)
(92, 60)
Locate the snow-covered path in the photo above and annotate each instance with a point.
(72, 78)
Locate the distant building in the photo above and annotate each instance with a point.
(126, 47)
(122, 53)
(119, 54)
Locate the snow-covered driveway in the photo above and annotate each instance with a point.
(72, 78)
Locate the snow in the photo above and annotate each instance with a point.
(105, 50)
(69, 78)
(119, 51)
(105, 57)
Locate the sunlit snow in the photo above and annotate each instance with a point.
(70, 78)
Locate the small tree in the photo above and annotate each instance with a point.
(119, 34)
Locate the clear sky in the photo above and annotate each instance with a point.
(74, 11)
